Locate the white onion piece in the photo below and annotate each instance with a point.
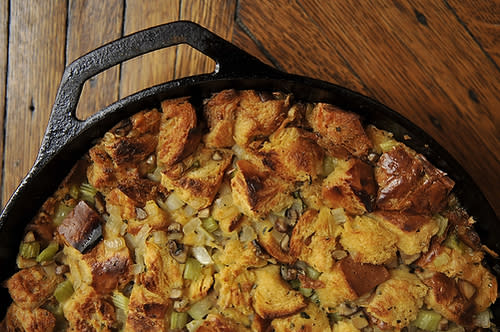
(202, 255)
(191, 225)
(189, 211)
(173, 202)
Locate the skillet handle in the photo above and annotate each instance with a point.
(230, 61)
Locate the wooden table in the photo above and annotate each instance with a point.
(435, 61)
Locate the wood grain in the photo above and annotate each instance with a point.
(102, 89)
(302, 50)
(482, 20)
(152, 68)
(4, 37)
(217, 16)
(416, 58)
(35, 65)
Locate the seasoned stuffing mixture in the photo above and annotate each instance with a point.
(251, 212)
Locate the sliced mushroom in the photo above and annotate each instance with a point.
(178, 251)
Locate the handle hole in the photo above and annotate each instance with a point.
(140, 73)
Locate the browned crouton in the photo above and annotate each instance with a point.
(311, 319)
(407, 181)
(413, 232)
(274, 242)
(273, 297)
(348, 280)
(220, 111)
(124, 205)
(293, 154)
(340, 132)
(100, 172)
(258, 117)
(234, 284)
(28, 320)
(257, 192)
(110, 268)
(444, 297)
(199, 287)
(237, 253)
(368, 241)
(146, 311)
(313, 239)
(178, 135)
(351, 186)
(197, 179)
(156, 218)
(85, 310)
(398, 300)
(218, 323)
(30, 287)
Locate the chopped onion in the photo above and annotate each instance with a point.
(173, 202)
(202, 255)
(205, 213)
(239, 151)
(247, 234)
(200, 309)
(339, 215)
(193, 325)
(191, 225)
(189, 211)
(115, 243)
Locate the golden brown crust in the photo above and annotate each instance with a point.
(351, 186)
(36, 320)
(257, 192)
(273, 297)
(311, 319)
(339, 132)
(408, 182)
(87, 311)
(220, 111)
(177, 135)
(30, 287)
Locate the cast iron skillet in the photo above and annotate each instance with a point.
(68, 138)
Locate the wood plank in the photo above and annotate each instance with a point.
(92, 24)
(152, 68)
(218, 17)
(305, 50)
(434, 73)
(243, 40)
(482, 19)
(4, 28)
(35, 66)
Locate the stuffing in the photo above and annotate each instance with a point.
(234, 285)
(121, 204)
(339, 132)
(31, 287)
(311, 319)
(274, 242)
(292, 154)
(146, 311)
(313, 239)
(368, 241)
(258, 116)
(28, 320)
(178, 136)
(196, 180)
(345, 326)
(351, 186)
(273, 297)
(397, 300)
(446, 298)
(85, 310)
(199, 287)
(413, 232)
(220, 111)
(408, 182)
(257, 192)
(110, 268)
(155, 217)
(218, 323)
(349, 280)
(240, 254)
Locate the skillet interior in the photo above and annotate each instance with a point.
(57, 157)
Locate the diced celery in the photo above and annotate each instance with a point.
(63, 291)
(87, 193)
(315, 298)
(120, 301)
(427, 320)
(61, 212)
(453, 242)
(193, 325)
(74, 191)
(29, 249)
(178, 320)
(312, 273)
(307, 292)
(200, 309)
(210, 224)
(295, 283)
(192, 270)
(48, 253)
